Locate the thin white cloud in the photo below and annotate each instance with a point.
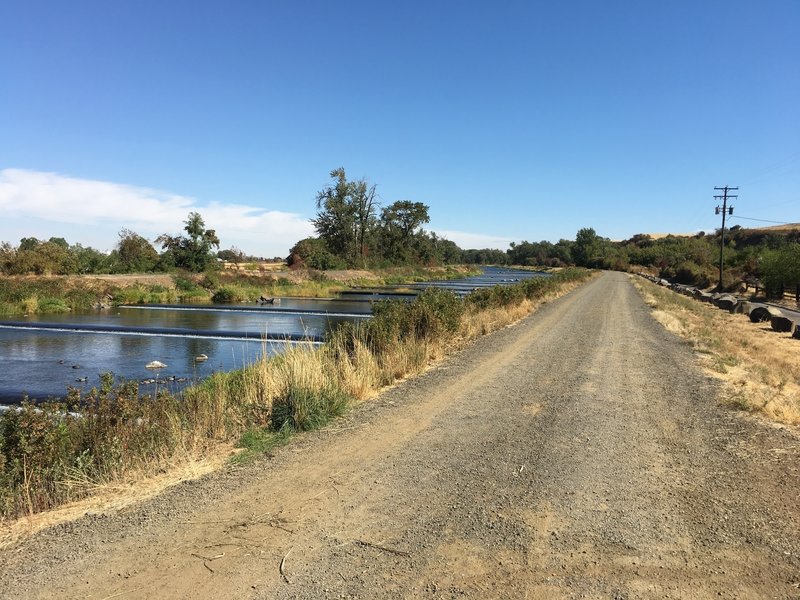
(100, 209)
(467, 240)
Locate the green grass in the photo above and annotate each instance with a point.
(258, 441)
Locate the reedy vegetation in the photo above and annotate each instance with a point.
(56, 452)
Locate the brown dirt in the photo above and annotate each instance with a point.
(579, 454)
(127, 280)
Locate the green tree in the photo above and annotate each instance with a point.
(193, 251)
(447, 251)
(232, 254)
(585, 249)
(399, 238)
(314, 254)
(89, 260)
(134, 253)
(346, 217)
(28, 243)
(8, 257)
(780, 269)
(43, 258)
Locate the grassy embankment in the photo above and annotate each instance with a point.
(758, 367)
(50, 456)
(30, 295)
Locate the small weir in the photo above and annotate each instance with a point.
(247, 336)
(246, 309)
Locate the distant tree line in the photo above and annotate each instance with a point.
(132, 254)
(771, 257)
(354, 231)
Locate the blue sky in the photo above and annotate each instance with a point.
(512, 120)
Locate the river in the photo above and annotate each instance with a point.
(45, 355)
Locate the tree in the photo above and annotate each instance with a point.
(314, 254)
(780, 269)
(232, 254)
(584, 248)
(28, 243)
(591, 250)
(89, 260)
(399, 224)
(346, 216)
(193, 252)
(447, 251)
(135, 253)
(8, 257)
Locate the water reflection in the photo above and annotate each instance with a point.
(43, 364)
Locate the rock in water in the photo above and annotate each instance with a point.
(155, 365)
(200, 358)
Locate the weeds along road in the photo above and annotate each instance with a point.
(580, 453)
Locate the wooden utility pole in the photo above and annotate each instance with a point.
(726, 210)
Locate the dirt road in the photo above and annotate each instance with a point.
(578, 454)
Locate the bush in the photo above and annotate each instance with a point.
(185, 284)
(690, 273)
(227, 293)
(306, 409)
(210, 280)
(53, 305)
(434, 314)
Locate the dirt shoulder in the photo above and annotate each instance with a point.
(580, 453)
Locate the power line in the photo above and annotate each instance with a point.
(762, 220)
(777, 166)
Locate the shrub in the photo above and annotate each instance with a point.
(228, 293)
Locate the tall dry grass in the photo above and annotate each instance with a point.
(57, 452)
(759, 367)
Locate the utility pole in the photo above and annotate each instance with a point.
(726, 210)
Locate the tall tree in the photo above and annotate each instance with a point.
(192, 252)
(590, 250)
(346, 216)
(399, 224)
(136, 254)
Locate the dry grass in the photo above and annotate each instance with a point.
(479, 323)
(111, 498)
(759, 368)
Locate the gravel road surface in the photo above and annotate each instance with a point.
(578, 454)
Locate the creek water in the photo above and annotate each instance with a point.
(42, 356)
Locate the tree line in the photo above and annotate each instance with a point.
(354, 231)
(132, 254)
(768, 257)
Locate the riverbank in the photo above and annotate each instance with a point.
(52, 456)
(20, 295)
